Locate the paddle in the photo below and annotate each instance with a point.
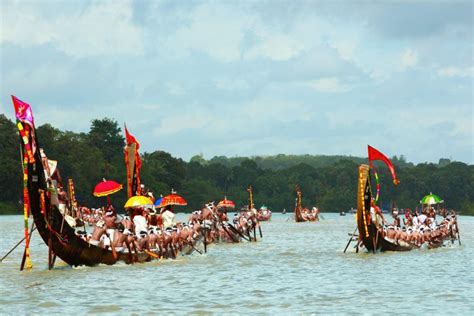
(114, 254)
(151, 254)
(205, 241)
(53, 260)
(237, 231)
(229, 233)
(192, 246)
(457, 230)
(350, 240)
(224, 227)
(11, 250)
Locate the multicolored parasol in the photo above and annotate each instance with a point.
(158, 201)
(226, 203)
(172, 199)
(137, 201)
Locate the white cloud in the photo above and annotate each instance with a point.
(409, 58)
(278, 47)
(103, 28)
(456, 72)
(329, 85)
(173, 123)
(218, 72)
(231, 85)
(216, 30)
(175, 88)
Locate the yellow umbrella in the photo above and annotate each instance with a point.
(138, 200)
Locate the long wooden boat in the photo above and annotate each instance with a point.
(371, 237)
(299, 217)
(61, 239)
(368, 233)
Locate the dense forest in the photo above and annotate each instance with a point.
(326, 181)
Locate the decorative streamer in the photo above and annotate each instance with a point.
(377, 183)
(26, 203)
(374, 154)
(363, 207)
(250, 198)
(26, 128)
(133, 163)
(72, 195)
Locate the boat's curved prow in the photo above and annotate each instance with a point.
(370, 236)
(54, 229)
(364, 195)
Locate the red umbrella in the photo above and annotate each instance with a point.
(106, 187)
(226, 203)
(172, 199)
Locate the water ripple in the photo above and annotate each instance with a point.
(295, 269)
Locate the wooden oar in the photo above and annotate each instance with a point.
(151, 254)
(228, 233)
(350, 240)
(112, 247)
(224, 227)
(237, 231)
(205, 241)
(457, 230)
(53, 260)
(14, 247)
(192, 246)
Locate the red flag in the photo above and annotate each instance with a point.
(23, 112)
(26, 126)
(133, 163)
(374, 154)
(130, 139)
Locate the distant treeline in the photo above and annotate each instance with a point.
(326, 181)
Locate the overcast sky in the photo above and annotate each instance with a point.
(249, 77)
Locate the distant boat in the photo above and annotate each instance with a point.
(304, 214)
(264, 214)
(370, 235)
(342, 213)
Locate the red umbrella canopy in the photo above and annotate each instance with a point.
(172, 199)
(226, 203)
(106, 187)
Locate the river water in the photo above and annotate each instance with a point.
(297, 268)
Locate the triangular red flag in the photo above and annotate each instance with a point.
(374, 154)
(130, 139)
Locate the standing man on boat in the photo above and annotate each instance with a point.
(376, 214)
(169, 218)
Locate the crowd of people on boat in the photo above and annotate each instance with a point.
(309, 215)
(264, 214)
(418, 228)
(157, 229)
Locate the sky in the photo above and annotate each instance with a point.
(246, 78)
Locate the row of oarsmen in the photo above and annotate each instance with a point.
(146, 230)
(421, 228)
